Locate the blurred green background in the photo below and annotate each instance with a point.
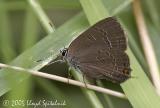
(24, 39)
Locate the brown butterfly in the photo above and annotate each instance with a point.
(99, 52)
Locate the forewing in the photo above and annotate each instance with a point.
(106, 33)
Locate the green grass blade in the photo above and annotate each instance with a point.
(139, 91)
(116, 6)
(96, 11)
(47, 4)
(154, 35)
(44, 20)
(54, 42)
(153, 12)
(30, 32)
(6, 45)
(91, 10)
(30, 35)
(53, 91)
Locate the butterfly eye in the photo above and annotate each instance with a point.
(64, 52)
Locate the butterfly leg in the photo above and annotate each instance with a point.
(84, 80)
(69, 74)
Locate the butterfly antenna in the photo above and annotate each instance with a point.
(40, 60)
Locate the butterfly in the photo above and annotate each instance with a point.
(99, 52)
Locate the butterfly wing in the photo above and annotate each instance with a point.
(99, 50)
(111, 66)
(107, 32)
